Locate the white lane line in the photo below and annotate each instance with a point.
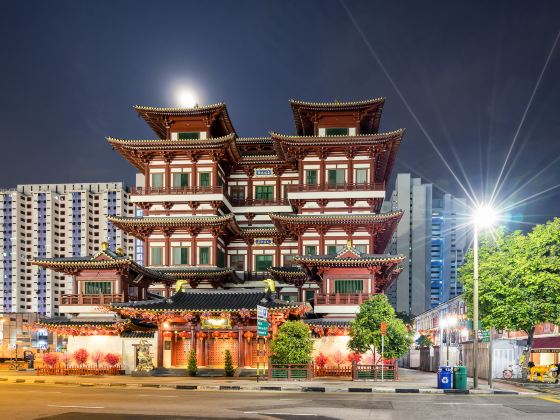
(72, 406)
(279, 414)
(158, 396)
(462, 403)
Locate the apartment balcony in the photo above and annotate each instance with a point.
(81, 299)
(339, 303)
(336, 191)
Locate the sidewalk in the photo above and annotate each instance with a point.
(410, 381)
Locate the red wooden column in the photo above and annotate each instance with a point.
(241, 347)
(214, 174)
(322, 170)
(350, 157)
(249, 243)
(194, 234)
(147, 175)
(159, 348)
(194, 172)
(249, 174)
(168, 181)
(167, 235)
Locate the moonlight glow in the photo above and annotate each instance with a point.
(186, 98)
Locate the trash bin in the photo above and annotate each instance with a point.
(459, 377)
(444, 377)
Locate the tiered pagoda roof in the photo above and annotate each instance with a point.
(160, 118)
(368, 112)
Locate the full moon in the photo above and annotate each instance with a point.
(186, 98)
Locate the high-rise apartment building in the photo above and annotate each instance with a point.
(449, 241)
(411, 291)
(54, 221)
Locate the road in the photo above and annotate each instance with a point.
(35, 401)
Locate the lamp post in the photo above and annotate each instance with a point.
(483, 217)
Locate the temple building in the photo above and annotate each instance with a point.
(221, 213)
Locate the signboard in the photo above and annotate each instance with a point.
(484, 335)
(383, 328)
(215, 322)
(262, 313)
(262, 328)
(11, 346)
(263, 241)
(264, 172)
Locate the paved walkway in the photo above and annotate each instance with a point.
(410, 381)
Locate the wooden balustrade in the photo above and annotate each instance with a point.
(378, 186)
(100, 299)
(246, 202)
(177, 190)
(341, 298)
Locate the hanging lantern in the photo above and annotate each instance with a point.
(167, 334)
(201, 335)
(232, 334)
(216, 334)
(249, 335)
(184, 335)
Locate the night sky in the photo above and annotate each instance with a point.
(71, 71)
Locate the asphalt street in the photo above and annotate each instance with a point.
(36, 401)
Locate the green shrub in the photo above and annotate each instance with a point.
(292, 344)
(192, 366)
(228, 366)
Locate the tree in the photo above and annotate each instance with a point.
(365, 329)
(321, 360)
(339, 358)
(50, 359)
(97, 357)
(424, 341)
(405, 317)
(192, 366)
(228, 364)
(292, 344)
(519, 279)
(81, 356)
(112, 359)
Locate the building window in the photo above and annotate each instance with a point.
(156, 255)
(361, 176)
(190, 135)
(264, 192)
(337, 131)
(263, 262)
(97, 287)
(309, 295)
(311, 250)
(361, 248)
(180, 255)
(289, 260)
(204, 255)
(348, 286)
(180, 180)
(237, 192)
(333, 249)
(220, 258)
(157, 181)
(204, 179)
(311, 177)
(336, 176)
(237, 262)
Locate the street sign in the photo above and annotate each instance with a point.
(262, 328)
(383, 328)
(262, 313)
(11, 346)
(484, 336)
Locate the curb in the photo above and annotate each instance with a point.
(267, 388)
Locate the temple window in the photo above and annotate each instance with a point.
(263, 262)
(190, 135)
(289, 260)
(336, 176)
(157, 180)
(337, 131)
(311, 250)
(97, 287)
(311, 177)
(156, 255)
(309, 295)
(333, 249)
(361, 248)
(204, 179)
(237, 192)
(180, 180)
(348, 286)
(220, 258)
(204, 255)
(237, 262)
(180, 255)
(264, 192)
(361, 176)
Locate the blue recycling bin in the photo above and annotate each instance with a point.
(444, 375)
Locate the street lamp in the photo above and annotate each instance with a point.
(483, 217)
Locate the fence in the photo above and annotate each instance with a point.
(373, 372)
(290, 372)
(78, 371)
(333, 371)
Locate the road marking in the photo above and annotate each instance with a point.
(279, 414)
(552, 399)
(463, 403)
(72, 406)
(158, 396)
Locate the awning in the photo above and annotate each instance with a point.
(546, 345)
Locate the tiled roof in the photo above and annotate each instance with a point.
(287, 272)
(75, 322)
(195, 272)
(180, 111)
(347, 218)
(377, 138)
(328, 322)
(336, 104)
(137, 334)
(172, 221)
(207, 300)
(168, 144)
(363, 260)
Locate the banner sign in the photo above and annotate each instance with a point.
(215, 322)
(263, 241)
(262, 328)
(264, 172)
(262, 313)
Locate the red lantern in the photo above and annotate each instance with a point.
(249, 335)
(216, 334)
(201, 335)
(167, 334)
(233, 334)
(184, 334)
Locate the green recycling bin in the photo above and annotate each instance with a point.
(459, 377)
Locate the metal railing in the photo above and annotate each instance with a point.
(177, 190)
(100, 299)
(290, 372)
(341, 298)
(365, 186)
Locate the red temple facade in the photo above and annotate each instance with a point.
(225, 212)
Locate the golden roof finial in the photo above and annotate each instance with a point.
(349, 244)
(119, 251)
(104, 246)
(270, 285)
